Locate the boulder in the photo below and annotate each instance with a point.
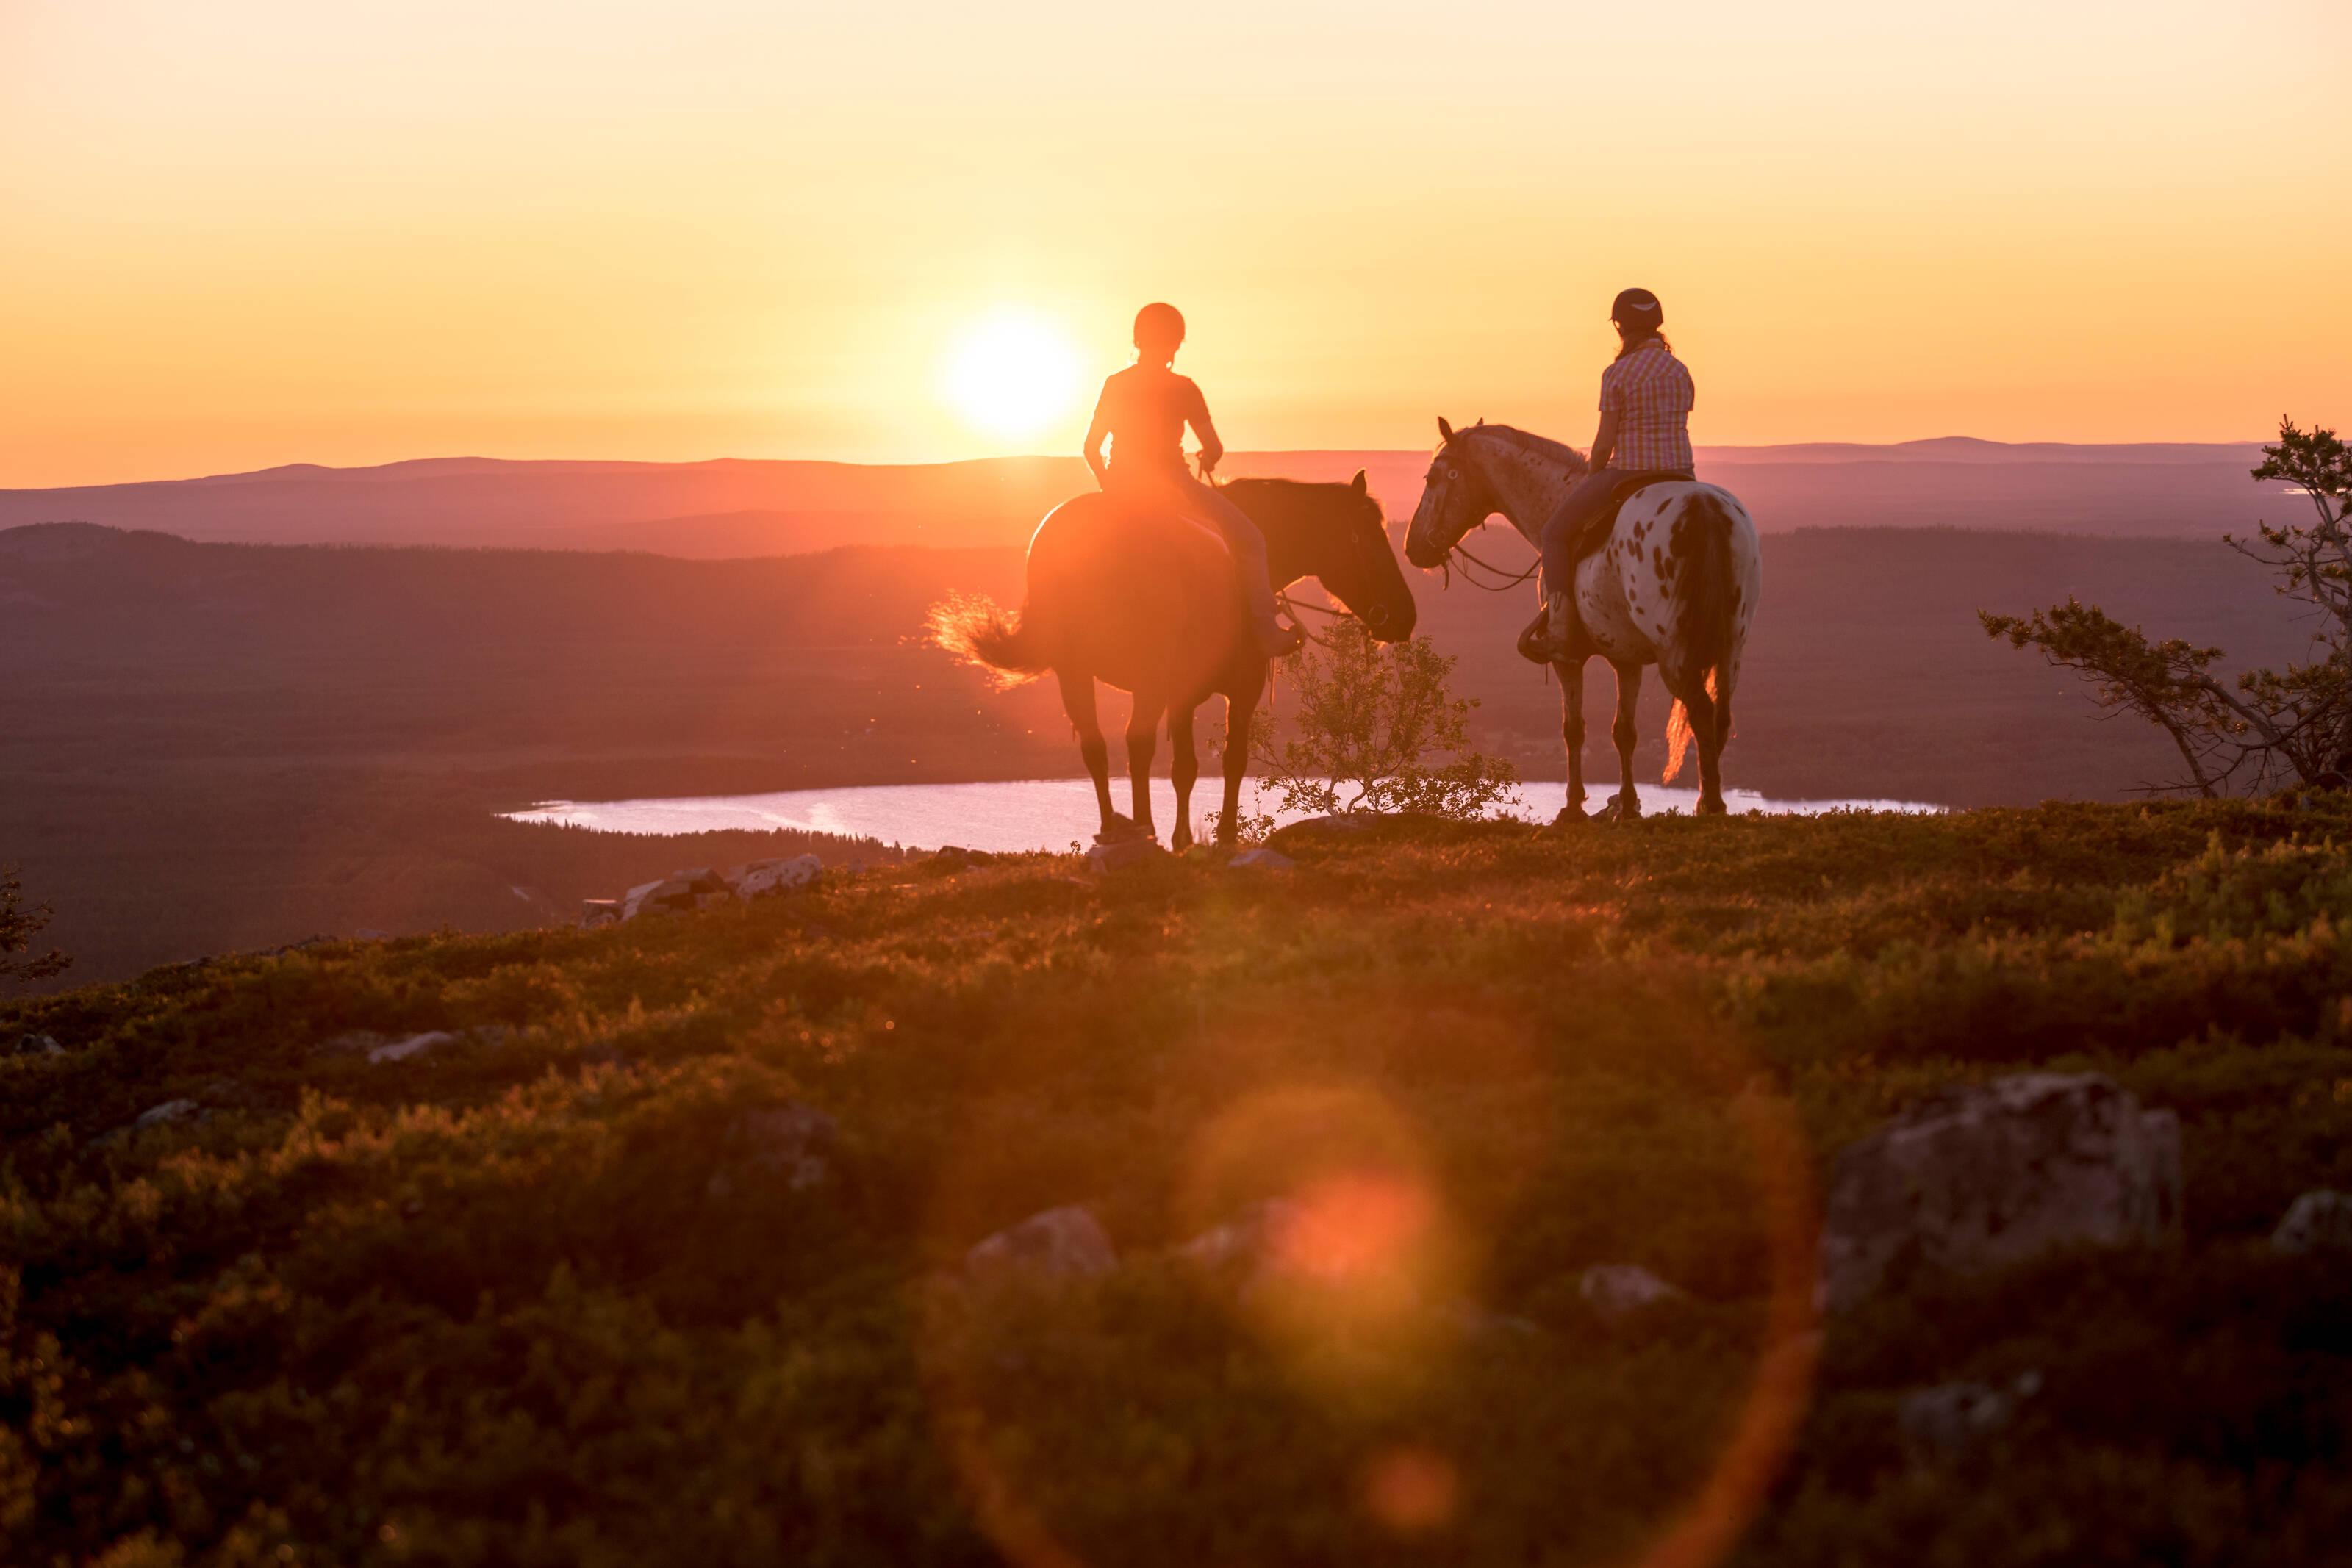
(761, 879)
(1245, 1243)
(1974, 1179)
(677, 891)
(1065, 1243)
(1945, 1422)
(1618, 1291)
(955, 858)
(1261, 859)
(1123, 854)
(2318, 1221)
(39, 1045)
(793, 1143)
(595, 912)
(169, 1111)
(415, 1045)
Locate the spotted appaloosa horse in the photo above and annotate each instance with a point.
(1675, 587)
(1137, 596)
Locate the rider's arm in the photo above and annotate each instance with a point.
(1096, 431)
(1604, 440)
(1197, 416)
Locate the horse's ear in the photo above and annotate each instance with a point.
(1360, 482)
(1445, 429)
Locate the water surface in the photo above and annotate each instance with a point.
(1031, 814)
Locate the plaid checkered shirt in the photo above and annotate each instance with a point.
(1649, 392)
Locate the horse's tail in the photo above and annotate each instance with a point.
(974, 629)
(1709, 615)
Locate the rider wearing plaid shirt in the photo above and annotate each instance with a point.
(1646, 397)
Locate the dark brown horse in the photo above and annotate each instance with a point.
(1145, 600)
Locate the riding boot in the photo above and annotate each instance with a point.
(1535, 643)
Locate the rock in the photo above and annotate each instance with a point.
(761, 879)
(595, 912)
(1064, 1243)
(713, 900)
(39, 1045)
(955, 858)
(677, 891)
(1122, 854)
(796, 1142)
(1943, 1422)
(2318, 1221)
(1618, 1291)
(1261, 859)
(1245, 1243)
(416, 1045)
(169, 1111)
(1979, 1179)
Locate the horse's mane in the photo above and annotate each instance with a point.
(1558, 449)
(1283, 500)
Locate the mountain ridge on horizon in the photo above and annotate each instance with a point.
(1932, 447)
(734, 507)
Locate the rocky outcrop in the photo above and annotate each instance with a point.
(699, 887)
(1979, 1179)
(1945, 1422)
(789, 1143)
(38, 1045)
(763, 879)
(1123, 854)
(412, 1046)
(1618, 1291)
(1246, 1244)
(1061, 1244)
(2319, 1221)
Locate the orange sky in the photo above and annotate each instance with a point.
(250, 232)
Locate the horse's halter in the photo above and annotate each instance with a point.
(1365, 545)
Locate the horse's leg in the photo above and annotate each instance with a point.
(1572, 731)
(1142, 731)
(1239, 711)
(1629, 697)
(1183, 768)
(1078, 702)
(1705, 716)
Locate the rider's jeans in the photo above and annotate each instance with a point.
(1584, 502)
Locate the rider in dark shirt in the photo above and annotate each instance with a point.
(1143, 410)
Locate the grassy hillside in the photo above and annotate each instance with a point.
(538, 1298)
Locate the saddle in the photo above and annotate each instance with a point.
(1541, 643)
(1595, 530)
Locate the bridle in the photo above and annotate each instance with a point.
(1504, 582)
(1366, 545)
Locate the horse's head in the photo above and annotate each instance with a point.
(1337, 535)
(1455, 499)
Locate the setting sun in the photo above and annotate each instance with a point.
(1012, 375)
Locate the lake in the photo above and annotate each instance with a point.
(1027, 814)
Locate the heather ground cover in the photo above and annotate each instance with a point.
(536, 1296)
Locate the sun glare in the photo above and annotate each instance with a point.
(1012, 376)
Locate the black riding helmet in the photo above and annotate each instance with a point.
(1638, 308)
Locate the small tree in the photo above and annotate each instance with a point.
(2267, 726)
(19, 926)
(1375, 729)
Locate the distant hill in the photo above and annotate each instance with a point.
(734, 508)
(207, 745)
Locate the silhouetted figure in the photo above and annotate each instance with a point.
(1646, 395)
(1143, 410)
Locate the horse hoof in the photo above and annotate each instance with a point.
(1570, 817)
(1713, 809)
(1121, 828)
